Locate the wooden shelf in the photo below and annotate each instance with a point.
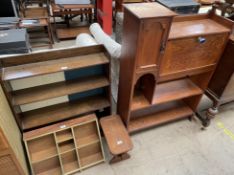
(48, 167)
(90, 154)
(54, 171)
(59, 112)
(89, 160)
(165, 92)
(63, 136)
(70, 33)
(47, 148)
(59, 89)
(184, 29)
(85, 141)
(66, 146)
(69, 161)
(86, 135)
(43, 155)
(53, 66)
(162, 114)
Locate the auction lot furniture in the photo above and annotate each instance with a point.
(42, 22)
(8, 23)
(34, 18)
(119, 4)
(163, 74)
(91, 89)
(14, 41)
(66, 147)
(221, 86)
(9, 164)
(68, 12)
(118, 140)
(181, 6)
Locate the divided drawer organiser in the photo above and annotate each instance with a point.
(66, 147)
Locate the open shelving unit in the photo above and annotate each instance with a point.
(66, 147)
(165, 66)
(92, 90)
(166, 92)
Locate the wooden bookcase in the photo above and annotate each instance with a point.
(66, 147)
(166, 63)
(92, 90)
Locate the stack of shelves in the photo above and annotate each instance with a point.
(66, 147)
(21, 67)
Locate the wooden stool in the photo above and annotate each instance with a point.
(117, 137)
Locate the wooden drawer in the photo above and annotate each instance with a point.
(186, 54)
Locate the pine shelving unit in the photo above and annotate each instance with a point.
(65, 147)
(32, 65)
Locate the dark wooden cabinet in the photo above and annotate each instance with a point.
(166, 63)
(221, 86)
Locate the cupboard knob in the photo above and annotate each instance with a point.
(201, 40)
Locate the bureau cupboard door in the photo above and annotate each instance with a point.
(9, 165)
(152, 42)
(192, 53)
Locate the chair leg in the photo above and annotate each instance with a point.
(55, 28)
(50, 35)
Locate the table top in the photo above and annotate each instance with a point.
(72, 2)
(59, 7)
(40, 23)
(117, 137)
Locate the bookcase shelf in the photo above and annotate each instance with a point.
(163, 113)
(58, 140)
(87, 89)
(59, 89)
(165, 92)
(51, 114)
(53, 66)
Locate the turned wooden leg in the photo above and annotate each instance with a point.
(210, 113)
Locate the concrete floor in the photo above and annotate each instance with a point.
(179, 148)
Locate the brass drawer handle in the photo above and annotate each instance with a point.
(201, 40)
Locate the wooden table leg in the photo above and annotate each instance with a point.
(118, 158)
